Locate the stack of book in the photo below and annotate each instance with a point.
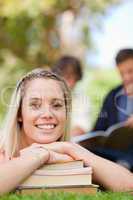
(70, 177)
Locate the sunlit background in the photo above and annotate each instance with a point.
(116, 32)
(36, 33)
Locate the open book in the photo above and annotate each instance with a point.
(118, 137)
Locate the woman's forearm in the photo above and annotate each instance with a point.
(13, 172)
(112, 176)
(106, 173)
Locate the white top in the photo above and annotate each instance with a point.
(80, 109)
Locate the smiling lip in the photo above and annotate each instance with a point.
(46, 126)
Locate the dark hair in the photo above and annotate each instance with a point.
(66, 63)
(123, 55)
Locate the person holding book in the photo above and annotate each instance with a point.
(118, 107)
(36, 132)
(118, 104)
(70, 68)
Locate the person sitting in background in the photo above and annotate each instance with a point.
(118, 107)
(70, 69)
(118, 104)
(36, 132)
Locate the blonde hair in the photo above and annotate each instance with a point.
(10, 138)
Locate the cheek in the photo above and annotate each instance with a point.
(28, 117)
(25, 115)
(63, 120)
(61, 117)
(26, 121)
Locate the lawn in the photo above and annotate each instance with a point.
(69, 196)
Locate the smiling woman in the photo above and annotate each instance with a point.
(36, 132)
(38, 114)
(43, 112)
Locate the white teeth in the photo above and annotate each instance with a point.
(46, 126)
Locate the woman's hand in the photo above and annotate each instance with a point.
(44, 155)
(71, 149)
(58, 157)
(37, 151)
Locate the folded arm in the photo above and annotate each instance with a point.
(106, 173)
(13, 172)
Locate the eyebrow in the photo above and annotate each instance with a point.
(54, 99)
(58, 99)
(34, 98)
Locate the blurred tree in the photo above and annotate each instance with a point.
(30, 34)
(29, 28)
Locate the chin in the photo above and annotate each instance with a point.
(129, 93)
(46, 140)
(129, 90)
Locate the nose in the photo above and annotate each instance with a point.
(127, 78)
(46, 113)
(71, 83)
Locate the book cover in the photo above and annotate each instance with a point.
(52, 181)
(63, 165)
(80, 189)
(60, 174)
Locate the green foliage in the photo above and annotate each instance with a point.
(29, 28)
(29, 35)
(66, 196)
(101, 5)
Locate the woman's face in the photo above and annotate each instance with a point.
(43, 112)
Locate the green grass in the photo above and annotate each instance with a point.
(69, 196)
